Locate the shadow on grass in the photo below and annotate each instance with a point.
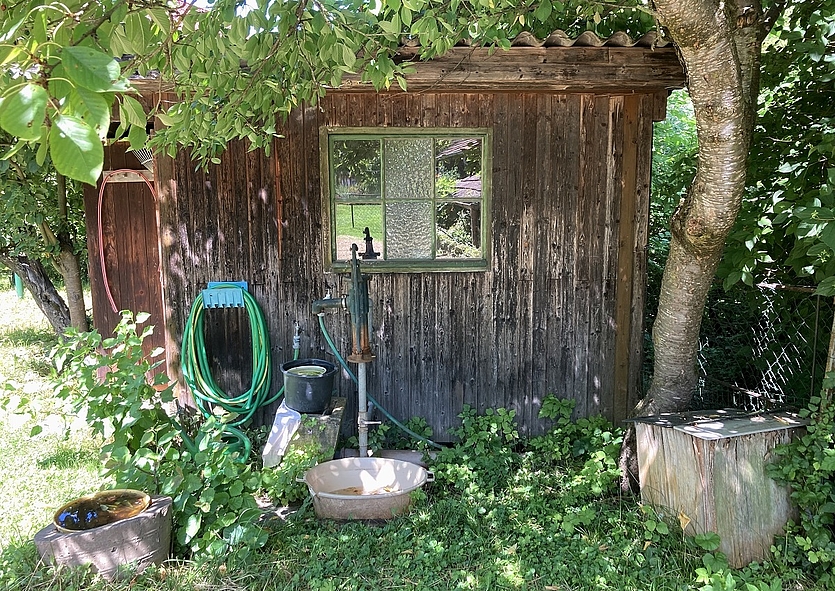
(29, 336)
(66, 457)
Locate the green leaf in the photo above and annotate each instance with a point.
(138, 137)
(827, 235)
(14, 150)
(543, 11)
(92, 69)
(192, 526)
(8, 53)
(349, 58)
(160, 18)
(23, 112)
(135, 28)
(131, 111)
(236, 489)
(93, 107)
(732, 278)
(43, 147)
(76, 149)
(36, 430)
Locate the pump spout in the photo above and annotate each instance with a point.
(319, 306)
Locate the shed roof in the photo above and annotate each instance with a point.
(557, 63)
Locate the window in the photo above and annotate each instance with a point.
(422, 195)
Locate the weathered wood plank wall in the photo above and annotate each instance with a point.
(559, 311)
(131, 248)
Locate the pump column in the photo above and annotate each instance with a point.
(358, 306)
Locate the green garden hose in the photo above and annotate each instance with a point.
(205, 390)
(371, 399)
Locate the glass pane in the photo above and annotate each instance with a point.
(458, 230)
(356, 167)
(408, 168)
(458, 168)
(351, 221)
(409, 230)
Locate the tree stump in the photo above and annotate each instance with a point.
(708, 468)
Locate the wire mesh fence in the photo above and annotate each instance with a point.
(762, 347)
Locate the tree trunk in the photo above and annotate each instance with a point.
(719, 44)
(68, 265)
(34, 277)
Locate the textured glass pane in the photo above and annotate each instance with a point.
(409, 230)
(458, 168)
(356, 167)
(350, 224)
(458, 231)
(408, 166)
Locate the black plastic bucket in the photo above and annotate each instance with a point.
(308, 384)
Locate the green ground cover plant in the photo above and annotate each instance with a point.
(503, 512)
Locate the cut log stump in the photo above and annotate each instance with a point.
(709, 469)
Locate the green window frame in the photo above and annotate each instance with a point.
(423, 193)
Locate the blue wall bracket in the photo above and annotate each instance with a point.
(224, 294)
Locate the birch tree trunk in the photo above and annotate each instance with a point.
(719, 44)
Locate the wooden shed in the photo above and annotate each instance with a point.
(535, 162)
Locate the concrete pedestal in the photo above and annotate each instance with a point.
(141, 540)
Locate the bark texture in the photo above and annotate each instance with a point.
(68, 265)
(34, 277)
(719, 44)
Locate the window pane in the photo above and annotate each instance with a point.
(458, 168)
(409, 230)
(408, 168)
(458, 230)
(351, 221)
(356, 166)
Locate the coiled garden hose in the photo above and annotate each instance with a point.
(205, 390)
(371, 399)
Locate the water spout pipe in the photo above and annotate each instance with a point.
(347, 368)
(359, 307)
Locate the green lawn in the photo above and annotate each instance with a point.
(39, 473)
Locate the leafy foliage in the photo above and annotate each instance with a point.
(66, 67)
(146, 449)
(784, 227)
(538, 521)
(807, 464)
(30, 219)
(387, 435)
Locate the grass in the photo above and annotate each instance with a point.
(39, 473)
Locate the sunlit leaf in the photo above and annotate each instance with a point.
(131, 112)
(94, 109)
(92, 69)
(23, 112)
(76, 149)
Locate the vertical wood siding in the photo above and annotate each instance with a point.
(131, 248)
(559, 310)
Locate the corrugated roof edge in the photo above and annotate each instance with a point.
(560, 38)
